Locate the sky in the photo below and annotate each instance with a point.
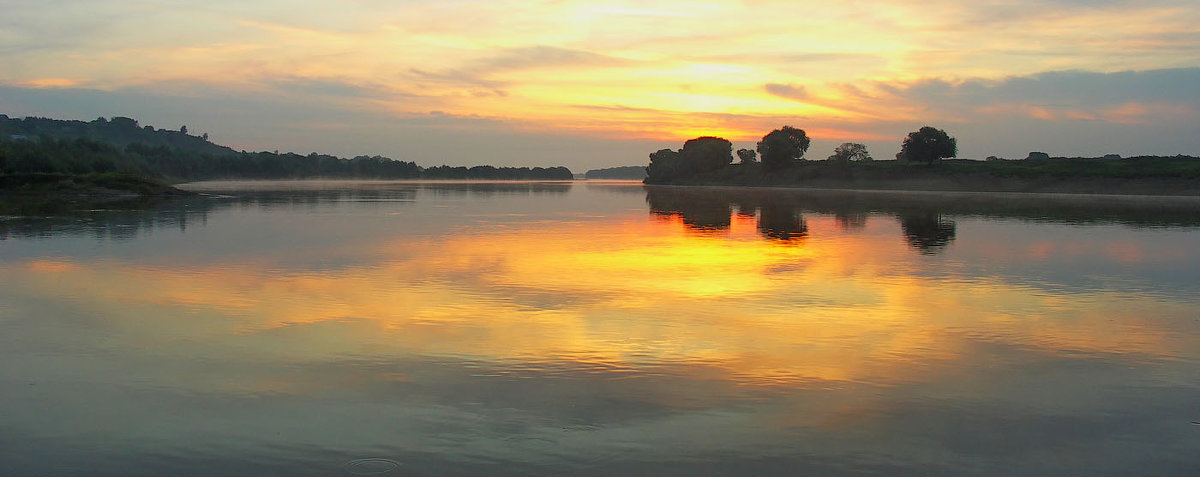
(590, 84)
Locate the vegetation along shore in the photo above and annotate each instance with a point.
(121, 145)
(924, 163)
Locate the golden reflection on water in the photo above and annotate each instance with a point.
(626, 293)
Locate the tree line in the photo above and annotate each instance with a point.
(778, 159)
(783, 148)
(120, 145)
(622, 172)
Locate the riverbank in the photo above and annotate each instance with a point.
(26, 194)
(1156, 176)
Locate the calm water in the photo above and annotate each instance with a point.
(601, 329)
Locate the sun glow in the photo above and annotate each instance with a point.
(673, 66)
(628, 293)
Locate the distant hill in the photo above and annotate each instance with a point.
(624, 172)
(121, 145)
(118, 131)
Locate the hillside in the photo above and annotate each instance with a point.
(118, 131)
(120, 145)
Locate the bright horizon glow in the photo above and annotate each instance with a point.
(533, 79)
(466, 296)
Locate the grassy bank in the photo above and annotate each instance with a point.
(1143, 175)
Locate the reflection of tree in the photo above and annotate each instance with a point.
(746, 211)
(697, 211)
(706, 211)
(705, 218)
(851, 220)
(924, 217)
(927, 232)
(118, 223)
(781, 222)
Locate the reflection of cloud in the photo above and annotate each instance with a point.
(631, 293)
(44, 83)
(50, 266)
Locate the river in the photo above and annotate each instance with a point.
(601, 328)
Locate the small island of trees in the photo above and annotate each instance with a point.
(779, 150)
(926, 161)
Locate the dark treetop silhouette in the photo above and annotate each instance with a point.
(924, 165)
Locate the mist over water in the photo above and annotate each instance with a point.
(601, 328)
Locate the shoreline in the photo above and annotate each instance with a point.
(1181, 198)
(51, 193)
(1143, 175)
(973, 184)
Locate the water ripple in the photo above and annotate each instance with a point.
(371, 466)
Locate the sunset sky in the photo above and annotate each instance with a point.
(599, 84)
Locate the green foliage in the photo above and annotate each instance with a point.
(747, 156)
(928, 145)
(39, 145)
(78, 156)
(623, 172)
(783, 147)
(119, 132)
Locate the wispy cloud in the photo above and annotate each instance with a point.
(49, 83)
(787, 91)
(1061, 89)
(673, 68)
(541, 56)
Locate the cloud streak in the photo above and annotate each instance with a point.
(661, 70)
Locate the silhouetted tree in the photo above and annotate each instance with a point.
(747, 156)
(702, 154)
(782, 147)
(928, 145)
(850, 151)
(665, 165)
(707, 153)
(183, 129)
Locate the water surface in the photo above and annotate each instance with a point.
(400, 328)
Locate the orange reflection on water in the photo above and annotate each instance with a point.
(628, 293)
(50, 266)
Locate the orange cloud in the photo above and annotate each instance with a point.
(1138, 113)
(50, 83)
